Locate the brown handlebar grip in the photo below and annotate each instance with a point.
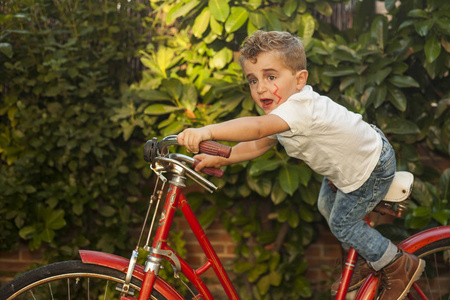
(210, 171)
(214, 148)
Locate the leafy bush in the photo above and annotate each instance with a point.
(72, 125)
(63, 161)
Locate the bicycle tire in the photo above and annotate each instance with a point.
(67, 278)
(435, 280)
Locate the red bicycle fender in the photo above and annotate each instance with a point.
(368, 290)
(121, 264)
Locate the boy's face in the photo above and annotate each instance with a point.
(271, 83)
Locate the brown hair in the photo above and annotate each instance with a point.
(289, 47)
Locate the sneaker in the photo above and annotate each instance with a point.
(362, 270)
(398, 277)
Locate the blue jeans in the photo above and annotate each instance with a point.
(345, 212)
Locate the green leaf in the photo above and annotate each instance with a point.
(26, 232)
(401, 126)
(237, 18)
(165, 58)
(324, 8)
(208, 216)
(181, 10)
(432, 48)
(201, 23)
(421, 193)
(303, 287)
(257, 19)
(380, 75)
(306, 215)
(160, 109)
(264, 284)
(272, 20)
(277, 195)
(305, 174)
(403, 81)
(289, 179)
(6, 49)
(379, 30)
(423, 27)
(368, 96)
(241, 267)
(290, 7)
(380, 97)
(219, 9)
(441, 217)
(345, 53)
(107, 211)
(308, 26)
(216, 27)
(221, 58)
(54, 219)
(258, 167)
(154, 95)
(418, 13)
(397, 98)
(342, 71)
(389, 4)
(256, 272)
(293, 219)
(153, 66)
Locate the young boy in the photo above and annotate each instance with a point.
(355, 157)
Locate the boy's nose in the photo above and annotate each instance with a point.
(261, 88)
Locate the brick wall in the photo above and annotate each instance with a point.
(13, 262)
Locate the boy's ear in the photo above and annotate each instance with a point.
(302, 77)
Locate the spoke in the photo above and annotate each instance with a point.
(88, 287)
(50, 288)
(106, 289)
(31, 292)
(437, 272)
(68, 288)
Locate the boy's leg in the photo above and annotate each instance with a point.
(398, 269)
(349, 210)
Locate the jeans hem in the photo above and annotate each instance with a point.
(387, 257)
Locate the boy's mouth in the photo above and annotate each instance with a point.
(266, 102)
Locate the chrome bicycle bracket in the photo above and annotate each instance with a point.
(176, 265)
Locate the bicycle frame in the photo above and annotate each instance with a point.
(176, 199)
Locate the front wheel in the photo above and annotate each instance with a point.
(71, 280)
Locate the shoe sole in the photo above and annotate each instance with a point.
(416, 277)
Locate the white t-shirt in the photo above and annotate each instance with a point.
(333, 141)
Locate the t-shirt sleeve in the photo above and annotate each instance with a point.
(295, 115)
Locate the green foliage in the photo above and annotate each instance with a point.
(74, 116)
(66, 178)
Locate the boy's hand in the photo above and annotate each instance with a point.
(207, 161)
(191, 138)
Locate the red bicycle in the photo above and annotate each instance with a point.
(105, 276)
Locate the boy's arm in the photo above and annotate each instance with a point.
(237, 130)
(241, 152)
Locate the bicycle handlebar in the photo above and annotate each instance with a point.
(154, 149)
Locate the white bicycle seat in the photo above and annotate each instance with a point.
(401, 187)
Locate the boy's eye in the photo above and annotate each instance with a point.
(252, 81)
(271, 77)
